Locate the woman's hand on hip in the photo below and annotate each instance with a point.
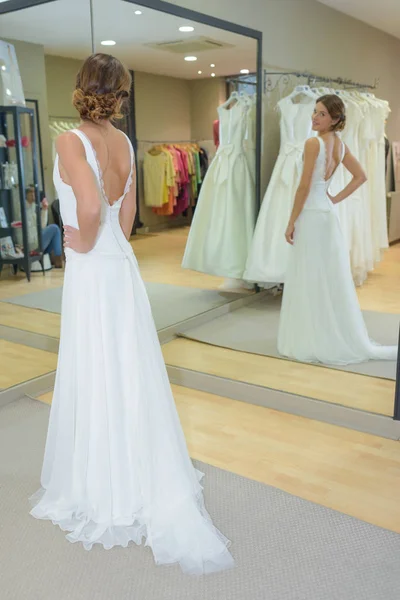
(73, 240)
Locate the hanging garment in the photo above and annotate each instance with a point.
(321, 320)
(223, 224)
(268, 257)
(116, 467)
(159, 175)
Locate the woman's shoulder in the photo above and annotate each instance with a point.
(312, 145)
(69, 142)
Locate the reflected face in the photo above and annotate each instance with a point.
(30, 196)
(321, 120)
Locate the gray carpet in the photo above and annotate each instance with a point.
(254, 329)
(170, 304)
(285, 548)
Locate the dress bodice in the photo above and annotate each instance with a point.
(233, 125)
(318, 198)
(296, 123)
(110, 240)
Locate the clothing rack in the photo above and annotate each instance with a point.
(159, 143)
(240, 81)
(312, 78)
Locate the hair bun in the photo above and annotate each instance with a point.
(96, 107)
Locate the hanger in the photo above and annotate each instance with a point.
(302, 90)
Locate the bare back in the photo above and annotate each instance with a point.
(113, 156)
(333, 155)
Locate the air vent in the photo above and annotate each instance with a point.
(188, 46)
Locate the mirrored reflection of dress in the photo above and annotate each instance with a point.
(223, 224)
(116, 468)
(268, 257)
(321, 320)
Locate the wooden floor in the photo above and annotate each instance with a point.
(21, 363)
(338, 387)
(354, 473)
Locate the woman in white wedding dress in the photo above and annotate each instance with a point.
(321, 320)
(116, 467)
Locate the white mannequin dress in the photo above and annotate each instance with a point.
(321, 320)
(268, 256)
(116, 467)
(223, 224)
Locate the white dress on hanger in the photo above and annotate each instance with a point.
(223, 224)
(321, 320)
(116, 466)
(268, 256)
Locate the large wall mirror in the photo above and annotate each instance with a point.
(195, 118)
(194, 111)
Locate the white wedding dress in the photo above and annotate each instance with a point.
(223, 224)
(116, 467)
(321, 320)
(268, 255)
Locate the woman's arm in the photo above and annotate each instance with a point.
(359, 177)
(76, 171)
(128, 208)
(311, 151)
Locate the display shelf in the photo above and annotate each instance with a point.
(19, 189)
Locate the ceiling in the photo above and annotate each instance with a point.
(382, 14)
(63, 28)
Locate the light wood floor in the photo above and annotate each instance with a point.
(21, 363)
(339, 387)
(355, 473)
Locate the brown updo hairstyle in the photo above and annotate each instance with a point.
(102, 85)
(337, 110)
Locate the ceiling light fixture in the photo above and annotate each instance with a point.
(190, 58)
(212, 74)
(212, 66)
(3, 68)
(245, 71)
(200, 72)
(138, 12)
(108, 43)
(186, 29)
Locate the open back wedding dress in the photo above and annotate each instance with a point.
(321, 320)
(116, 466)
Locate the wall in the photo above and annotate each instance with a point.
(61, 76)
(33, 74)
(205, 96)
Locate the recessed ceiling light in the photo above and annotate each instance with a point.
(245, 71)
(212, 74)
(212, 66)
(200, 72)
(3, 68)
(108, 43)
(138, 12)
(190, 58)
(186, 28)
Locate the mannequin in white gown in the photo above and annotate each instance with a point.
(321, 320)
(116, 467)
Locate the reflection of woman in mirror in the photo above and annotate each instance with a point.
(51, 234)
(321, 320)
(116, 467)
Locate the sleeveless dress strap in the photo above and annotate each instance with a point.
(343, 151)
(89, 150)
